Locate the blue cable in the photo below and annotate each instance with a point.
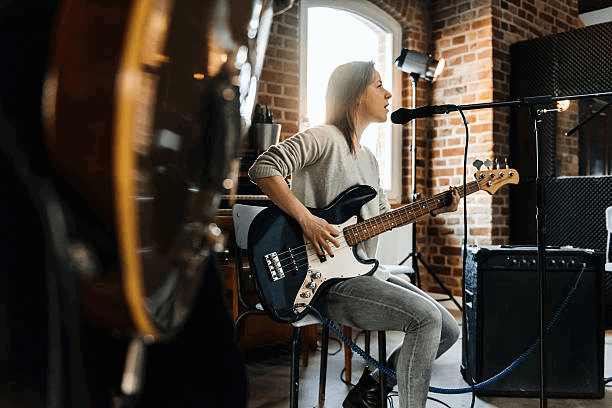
(463, 390)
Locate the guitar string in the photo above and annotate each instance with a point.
(303, 249)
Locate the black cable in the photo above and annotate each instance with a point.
(333, 353)
(470, 380)
(344, 380)
(439, 401)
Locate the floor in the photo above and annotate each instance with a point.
(268, 373)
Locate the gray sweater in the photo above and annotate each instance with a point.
(321, 167)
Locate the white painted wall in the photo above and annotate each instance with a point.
(395, 245)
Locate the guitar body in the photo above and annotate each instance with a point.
(274, 232)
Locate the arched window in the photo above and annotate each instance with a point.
(335, 32)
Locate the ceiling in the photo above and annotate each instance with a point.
(585, 6)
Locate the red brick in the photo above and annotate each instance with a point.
(484, 22)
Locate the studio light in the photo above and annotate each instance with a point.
(418, 64)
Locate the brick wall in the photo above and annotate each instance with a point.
(474, 37)
(278, 86)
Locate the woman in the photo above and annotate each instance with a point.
(323, 162)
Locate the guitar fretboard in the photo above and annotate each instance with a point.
(404, 215)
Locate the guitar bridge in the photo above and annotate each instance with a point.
(274, 267)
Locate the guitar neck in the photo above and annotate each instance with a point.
(404, 215)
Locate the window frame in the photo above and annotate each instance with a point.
(387, 23)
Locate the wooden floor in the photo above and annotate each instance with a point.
(268, 372)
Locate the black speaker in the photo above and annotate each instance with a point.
(502, 321)
(575, 211)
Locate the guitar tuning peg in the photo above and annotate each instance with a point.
(496, 163)
(488, 163)
(506, 160)
(478, 164)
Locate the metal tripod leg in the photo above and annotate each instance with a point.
(419, 257)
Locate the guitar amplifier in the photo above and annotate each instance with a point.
(502, 321)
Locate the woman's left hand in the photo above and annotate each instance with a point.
(452, 206)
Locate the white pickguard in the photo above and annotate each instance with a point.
(342, 265)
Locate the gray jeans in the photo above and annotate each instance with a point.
(368, 303)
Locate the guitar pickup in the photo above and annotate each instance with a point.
(274, 266)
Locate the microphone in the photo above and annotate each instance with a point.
(403, 115)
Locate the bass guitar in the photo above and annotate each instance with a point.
(288, 272)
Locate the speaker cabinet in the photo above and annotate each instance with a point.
(502, 321)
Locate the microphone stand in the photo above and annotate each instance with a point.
(535, 104)
(414, 78)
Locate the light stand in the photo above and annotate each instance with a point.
(417, 65)
(536, 104)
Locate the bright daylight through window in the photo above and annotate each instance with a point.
(335, 36)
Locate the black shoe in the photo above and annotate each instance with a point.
(366, 394)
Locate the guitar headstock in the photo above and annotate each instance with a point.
(491, 180)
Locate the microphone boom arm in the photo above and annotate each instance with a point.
(402, 116)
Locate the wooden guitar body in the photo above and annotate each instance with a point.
(145, 105)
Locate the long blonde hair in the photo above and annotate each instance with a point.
(346, 85)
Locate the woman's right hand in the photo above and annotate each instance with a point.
(321, 234)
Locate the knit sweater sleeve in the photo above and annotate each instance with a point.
(298, 151)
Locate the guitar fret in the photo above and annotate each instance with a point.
(410, 212)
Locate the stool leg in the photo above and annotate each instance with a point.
(295, 368)
(382, 358)
(348, 354)
(323, 372)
